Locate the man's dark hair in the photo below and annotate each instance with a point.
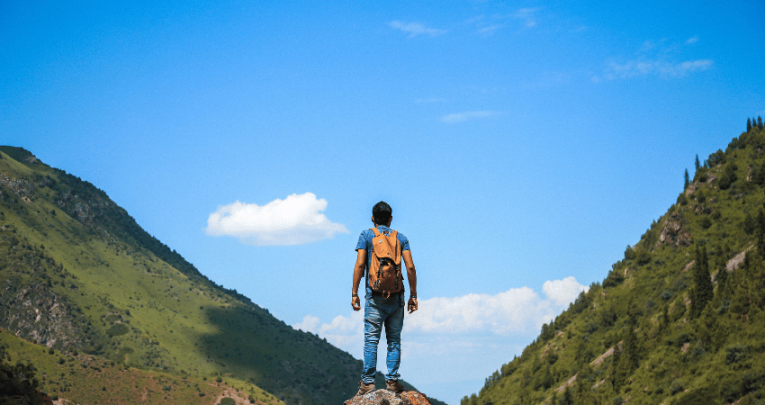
(382, 213)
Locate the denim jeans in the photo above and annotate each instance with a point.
(379, 311)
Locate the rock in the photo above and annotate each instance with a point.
(385, 397)
(672, 232)
(737, 260)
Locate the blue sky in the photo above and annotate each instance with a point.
(520, 143)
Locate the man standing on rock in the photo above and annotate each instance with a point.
(384, 305)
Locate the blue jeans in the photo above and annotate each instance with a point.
(379, 311)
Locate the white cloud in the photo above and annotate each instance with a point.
(643, 68)
(346, 333)
(527, 16)
(563, 292)
(295, 220)
(310, 324)
(489, 29)
(468, 115)
(692, 40)
(513, 313)
(415, 29)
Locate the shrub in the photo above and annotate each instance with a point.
(736, 353)
(706, 222)
(724, 182)
(227, 401)
(117, 330)
(675, 387)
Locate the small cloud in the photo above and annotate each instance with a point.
(563, 292)
(644, 68)
(346, 333)
(415, 29)
(648, 45)
(489, 29)
(310, 324)
(468, 115)
(474, 19)
(580, 29)
(692, 40)
(527, 15)
(295, 220)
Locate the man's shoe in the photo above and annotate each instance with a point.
(394, 385)
(365, 388)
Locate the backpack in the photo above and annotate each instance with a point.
(385, 271)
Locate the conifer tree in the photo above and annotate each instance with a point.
(664, 320)
(748, 125)
(760, 232)
(687, 180)
(697, 163)
(703, 291)
(707, 326)
(759, 122)
(722, 281)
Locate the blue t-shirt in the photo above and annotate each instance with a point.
(365, 242)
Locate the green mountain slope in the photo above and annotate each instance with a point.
(679, 320)
(80, 276)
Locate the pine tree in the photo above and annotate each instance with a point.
(759, 122)
(697, 163)
(664, 320)
(707, 326)
(748, 125)
(722, 280)
(687, 180)
(760, 232)
(631, 344)
(703, 291)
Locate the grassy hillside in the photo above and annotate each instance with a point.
(81, 277)
(89, 379)
(679, 320)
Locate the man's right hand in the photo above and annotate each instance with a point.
(356, 303)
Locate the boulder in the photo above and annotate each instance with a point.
(385, 397)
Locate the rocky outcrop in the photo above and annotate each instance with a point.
(385, 397)
(35, 312)
(22, 188)
(673, 233)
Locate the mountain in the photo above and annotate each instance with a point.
(82, 280)
(679, 320)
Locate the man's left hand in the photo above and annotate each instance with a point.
(412, 306)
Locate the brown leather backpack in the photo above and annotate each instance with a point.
(385, 272)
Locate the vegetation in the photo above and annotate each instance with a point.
(81, 278)
(679, 320)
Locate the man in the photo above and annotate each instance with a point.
(380, 310)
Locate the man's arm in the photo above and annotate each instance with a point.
(358, 273)
(411, 275)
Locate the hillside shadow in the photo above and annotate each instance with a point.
(254, 346)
